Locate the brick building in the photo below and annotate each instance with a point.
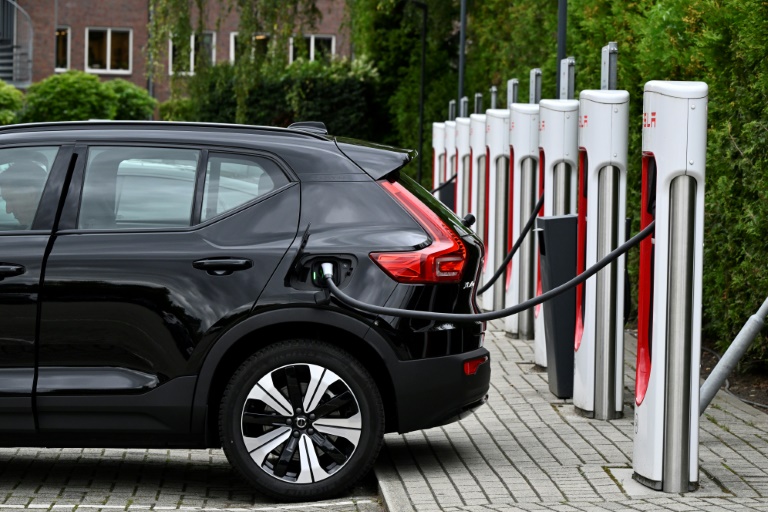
(109, 38)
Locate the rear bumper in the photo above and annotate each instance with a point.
(435, 391)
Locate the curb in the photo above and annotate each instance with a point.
(391, 490)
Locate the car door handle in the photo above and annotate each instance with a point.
(222, 266)
(10, 270)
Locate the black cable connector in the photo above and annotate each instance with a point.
(491, 315)
(518, 243)
(449, 180)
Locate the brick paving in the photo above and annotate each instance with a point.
(527, 450)
(95, 480)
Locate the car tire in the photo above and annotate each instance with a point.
(301, 420)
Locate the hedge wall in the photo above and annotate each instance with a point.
(341, 94)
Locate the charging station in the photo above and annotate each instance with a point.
(478, 183)
(523, 194)
(598, 379)
(496, 206)
(463, 176)
(669, 307)
(438, 154)
(448, 193)
(558, 150)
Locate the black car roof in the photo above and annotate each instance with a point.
(330, 156)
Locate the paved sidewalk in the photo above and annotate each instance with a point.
(527, 450)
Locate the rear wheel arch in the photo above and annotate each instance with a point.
(259, 331)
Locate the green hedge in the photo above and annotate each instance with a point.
(10, 103)
(79, 96)
(341, 94)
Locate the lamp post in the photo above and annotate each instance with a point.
(423, 7)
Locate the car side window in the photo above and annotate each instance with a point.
(233, 180)
(23, 174)
(138, 187)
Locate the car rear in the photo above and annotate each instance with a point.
(444, 372)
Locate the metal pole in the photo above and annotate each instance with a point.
(608, 69)
(562, 20)
(527, 202)
(677, 404)
(513, 86)
(494, 96)
(732, 356)
(478, 103)
(464, 107)
(462, 44)
(423, 7)
(607, 280)
(567, 78)
(452, 110)
(535, 86)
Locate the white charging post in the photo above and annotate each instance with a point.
(438, 154)
(669, 307)
(463, 177)
(524, 158)
(558, 150)
(450, 150)
(497, 161)
(599, 335)
(478, 184)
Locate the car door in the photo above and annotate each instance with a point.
(160, 250)
(27, 213)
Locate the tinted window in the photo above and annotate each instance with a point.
(23, 173)
(233, 180)
(128, 188)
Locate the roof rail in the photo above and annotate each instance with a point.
(310, 126)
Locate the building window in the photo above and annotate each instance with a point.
(260, 46)
(205, 47)
(109, 50)
(313, 47)
(62, 48)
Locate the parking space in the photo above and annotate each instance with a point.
(138, 479)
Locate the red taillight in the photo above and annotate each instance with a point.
(441, 262)
(471, 366)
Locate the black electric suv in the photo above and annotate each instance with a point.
(160, 286)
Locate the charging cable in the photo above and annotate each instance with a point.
(491, 315)
(518, 243)
(443, 185)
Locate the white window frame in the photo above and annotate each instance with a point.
(192, 53)
(232, 36)
(69, 49)
(108, 70)
(312, 45)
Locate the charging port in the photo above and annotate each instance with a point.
(310, 274)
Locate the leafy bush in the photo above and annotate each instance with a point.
(70, 96)
(133, 102)
(10, 103)
(342, 94)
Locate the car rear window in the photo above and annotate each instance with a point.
(23, 174)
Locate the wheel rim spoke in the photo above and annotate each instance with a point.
(324, 382)
(328, 447)
(318, 473)
(350, 434)
(259, 447)
(333, 404)
(269, 420)
(266, 391)
(294, 389)
(285, 456)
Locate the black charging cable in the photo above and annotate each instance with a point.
(449, 180)
(518, 243)
(491, 315)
